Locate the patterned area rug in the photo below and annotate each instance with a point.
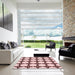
(37, 63)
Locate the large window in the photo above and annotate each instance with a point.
(40, 24)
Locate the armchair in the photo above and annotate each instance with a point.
(51, 45)
(68, 52)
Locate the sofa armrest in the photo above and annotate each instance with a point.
(63, 47)
(6, 57)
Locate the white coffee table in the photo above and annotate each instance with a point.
(40, 53)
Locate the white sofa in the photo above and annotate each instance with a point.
(9, 55)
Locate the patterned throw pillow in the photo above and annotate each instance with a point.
(3, 45)
(13, 44)
(9, 46)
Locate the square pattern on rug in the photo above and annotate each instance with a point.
(37, 63)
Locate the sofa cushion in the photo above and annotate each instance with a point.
(15, 53)
(72, 48)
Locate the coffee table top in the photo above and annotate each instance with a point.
(40, 51)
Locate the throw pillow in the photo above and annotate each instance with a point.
(13, 44)
(9, 46)
(0, 44)
(3, 45)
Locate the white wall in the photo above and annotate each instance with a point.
(6, 35)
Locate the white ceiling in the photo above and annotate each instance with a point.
(34, 4)
(29, 1)
(39, 6)
(42, 4)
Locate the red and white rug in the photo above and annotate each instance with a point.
(37, 63)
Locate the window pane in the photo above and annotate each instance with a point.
(41, 23)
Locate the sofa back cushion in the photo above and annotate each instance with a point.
(72, 48)
(52, 44)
